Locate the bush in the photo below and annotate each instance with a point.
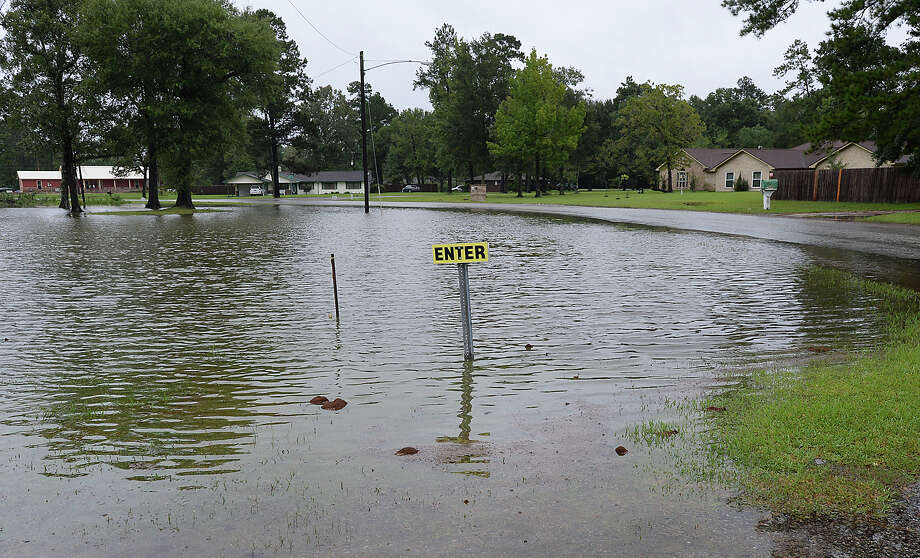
(741, 185)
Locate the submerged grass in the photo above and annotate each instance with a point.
(830, 439)
(167, 211)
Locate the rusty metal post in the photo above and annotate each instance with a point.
(335, 287)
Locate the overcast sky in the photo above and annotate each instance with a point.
(690, 42)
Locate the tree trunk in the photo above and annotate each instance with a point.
(153, 188)
(69, 176)
(450, 181)
(184, 185)
(536, 176)
(276, 184)
(669, 176)
(561, 186)
(504, 186)
(144, 182)
(520, 185)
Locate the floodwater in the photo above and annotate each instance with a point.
(156, 377)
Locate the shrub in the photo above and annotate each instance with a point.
(741, 185)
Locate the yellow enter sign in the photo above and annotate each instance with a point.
(464, 252)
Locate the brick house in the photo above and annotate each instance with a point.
(717, 169)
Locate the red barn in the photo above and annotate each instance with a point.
(94, 179)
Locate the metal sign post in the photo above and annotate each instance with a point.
(465, 313)
(463, 255)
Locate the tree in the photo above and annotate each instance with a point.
(181, 80)
(413, 150)
(755, 136)
(436, 78)
(727, 110)
(334, 133)
(379, 115)
(466, 82)
(278, 120)
(533, 125)
(870, 89)
(45, 65)
(657, 125)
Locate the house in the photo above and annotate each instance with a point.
(93, 178)
(245, 181)
(39, 181)
(322, 182)
(492, 180)
(717, 169)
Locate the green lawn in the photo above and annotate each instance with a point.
(907, 218)
(832, 438)
(726, 202)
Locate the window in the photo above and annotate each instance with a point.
(330, 185)
(729, 180)
(755, 180)
(38, 184)
(353, 185)
(681, 180)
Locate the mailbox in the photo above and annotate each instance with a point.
(768, 188)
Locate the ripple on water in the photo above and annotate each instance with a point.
(165, 345)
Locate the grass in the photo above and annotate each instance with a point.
(165, 211)
(830, 439)
(725, 202)
(906, 218)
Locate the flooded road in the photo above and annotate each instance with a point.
(155, 387)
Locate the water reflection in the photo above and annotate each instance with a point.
(161, 347)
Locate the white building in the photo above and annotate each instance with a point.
(322, 182)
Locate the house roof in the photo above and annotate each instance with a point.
(488, 176)
(102, 172)
(335, 176)
(87, 172)
(38, 175)
(240, 178)
(798, 157)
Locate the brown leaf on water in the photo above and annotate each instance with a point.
(319, 400)
(528, 346)
(668, 433)
(335, 405)
(819, 349)
(621, 450)
(408, 450)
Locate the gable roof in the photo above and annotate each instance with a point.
(38, 175)
(798, 157)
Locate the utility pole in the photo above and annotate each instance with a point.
(367, 199)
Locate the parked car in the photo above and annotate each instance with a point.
(256, 191)
(6, 190)
(411, 188)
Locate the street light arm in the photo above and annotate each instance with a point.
(398, 62)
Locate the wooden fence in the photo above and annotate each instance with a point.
(875, 185)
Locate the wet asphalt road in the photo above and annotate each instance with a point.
(884, 239)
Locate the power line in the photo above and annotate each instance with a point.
(328, 40)
(336, 67)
